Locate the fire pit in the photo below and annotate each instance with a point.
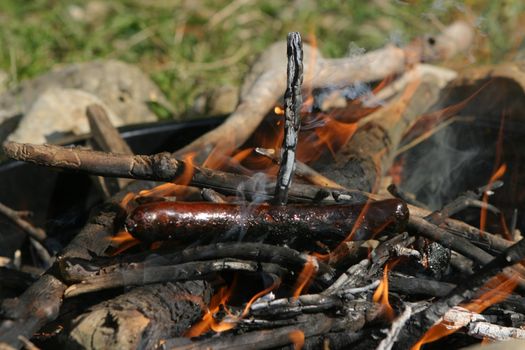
(299, 226)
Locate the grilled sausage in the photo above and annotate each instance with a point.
(276, 224)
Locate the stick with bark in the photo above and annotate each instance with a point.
(292, 119)
(266, 84)
(162, 167)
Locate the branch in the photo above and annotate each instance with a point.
(292, 119)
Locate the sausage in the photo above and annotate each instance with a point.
(274, 224)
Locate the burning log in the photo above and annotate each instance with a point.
(279, 225)
(141, 318)
(268, 80)
(360, 163)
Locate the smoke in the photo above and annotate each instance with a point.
(251, 194)
(435, 170)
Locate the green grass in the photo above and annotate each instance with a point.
(189, 47)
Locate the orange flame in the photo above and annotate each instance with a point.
(499, 287)
(278, 110)
(208, 321)
(429, 121)
(122, 241)
(381, 294)
(497, 175)
(330, 134)
(265, 291)
(219, 300)
(297, 338)
(305, 277)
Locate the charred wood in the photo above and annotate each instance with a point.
(141, 318)
(292, 118)
(75, 270)
(267, 83)
(161, 167)
(186, 271)
(465, 291)
(360, 163)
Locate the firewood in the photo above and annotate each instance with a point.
(465, 291)
(361, 162)
(292, 118)
(40, 303)
(76, 270)
(180, 272)
(141, 318)
(269, 83)
(161, 167)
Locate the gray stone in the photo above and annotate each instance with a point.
(124, 88)
(55, 112)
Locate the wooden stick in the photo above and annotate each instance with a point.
(105, 137)
(160, 167)
(180, 272)
(292, 119)
(142, 317)
(16, 217)
(268, 82)
(76, 270)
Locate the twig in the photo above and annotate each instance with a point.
(269, 84)
(105, 137)
(292, 118)
(160, 167)
(212, 196)
(186, 271)
(14, 216)
(447, 239)
(75, 270)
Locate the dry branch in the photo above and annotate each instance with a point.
(142, 317)
(186, 271)
(75, 270)
(292, 118)
(161, 167)
(18, 218)
(267, 83)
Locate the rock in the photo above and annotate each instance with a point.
(124, 88)
(55, 112)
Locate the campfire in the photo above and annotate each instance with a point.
(296, 223)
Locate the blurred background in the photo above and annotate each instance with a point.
(192, 48)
